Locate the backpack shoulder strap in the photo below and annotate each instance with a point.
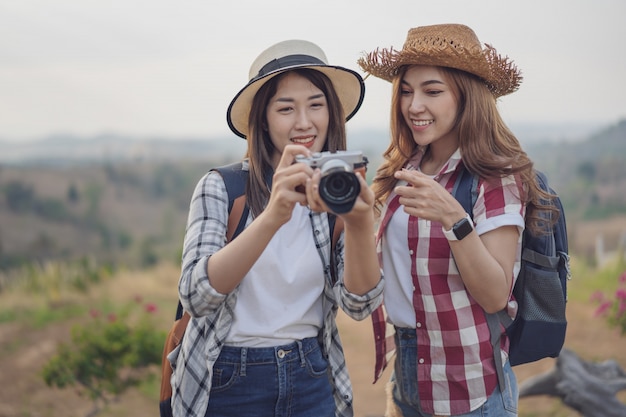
(335, 224)
(336, 227)
(235, 179)
(465, 189)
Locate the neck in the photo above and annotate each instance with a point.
(434, 159)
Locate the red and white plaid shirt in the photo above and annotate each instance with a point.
(456, 371)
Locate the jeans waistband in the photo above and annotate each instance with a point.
(405, 336)
(284, 353)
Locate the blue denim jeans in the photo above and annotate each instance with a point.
(282, 381)
(406, 396)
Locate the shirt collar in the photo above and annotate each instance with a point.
(448, 167)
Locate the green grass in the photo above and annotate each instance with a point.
(587, 280)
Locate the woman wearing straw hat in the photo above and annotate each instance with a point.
(444, 269)
(262, 339)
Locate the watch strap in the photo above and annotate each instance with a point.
(460, 229)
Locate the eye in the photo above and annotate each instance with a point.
(317, 102)
(434, 92)
(405, 92)
(284, 109)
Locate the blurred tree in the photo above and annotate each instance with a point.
(19, 196)
(72, 194)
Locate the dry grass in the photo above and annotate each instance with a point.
(24, 350)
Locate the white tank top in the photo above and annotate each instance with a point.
(280, 299)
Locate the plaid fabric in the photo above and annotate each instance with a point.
(456, 371)
(212, 312)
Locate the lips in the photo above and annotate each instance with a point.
(304, 141)
(422, 123)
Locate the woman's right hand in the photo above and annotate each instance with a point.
(288, 176)
(229, 265)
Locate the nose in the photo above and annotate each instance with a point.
(416, 105)
(303, 121)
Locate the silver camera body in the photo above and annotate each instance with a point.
(339, 185)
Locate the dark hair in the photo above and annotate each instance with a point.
(260, 146)
(488, 147)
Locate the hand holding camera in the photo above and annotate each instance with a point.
(339, 185)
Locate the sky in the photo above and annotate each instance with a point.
(169, 68)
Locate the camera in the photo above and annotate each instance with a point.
(339, 186)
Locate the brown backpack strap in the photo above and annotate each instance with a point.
(235, 216)
(337, 228)
(173, 339)
(337, 231)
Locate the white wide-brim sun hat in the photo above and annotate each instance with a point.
(289, 55)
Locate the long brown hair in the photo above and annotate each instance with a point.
(488, 147)
(260, 146)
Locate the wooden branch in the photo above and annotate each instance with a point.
(589, 388)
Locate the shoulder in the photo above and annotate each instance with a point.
(210, 181)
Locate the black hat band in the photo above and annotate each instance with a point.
(286, 62)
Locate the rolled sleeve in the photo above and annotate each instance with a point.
(358, 307)
(205, 235)
(499, 204)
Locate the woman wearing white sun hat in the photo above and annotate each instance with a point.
(262, 339)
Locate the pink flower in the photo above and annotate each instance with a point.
(94, 313)
(620, 294)
(597, 296)
(151, 308)
(112, 318)
(622, 278)
(603, 308)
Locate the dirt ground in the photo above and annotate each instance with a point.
(24, 351)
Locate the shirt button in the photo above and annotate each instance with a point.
(418, 324)
(421, 360)
(411, 252)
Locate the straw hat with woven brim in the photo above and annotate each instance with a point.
(289, 55)
(446, 45)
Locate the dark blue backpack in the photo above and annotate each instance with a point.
(538, 330)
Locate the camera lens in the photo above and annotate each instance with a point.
(339, 190)
(339, 185)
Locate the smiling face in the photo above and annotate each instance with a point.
(429, 106)
(297, 113)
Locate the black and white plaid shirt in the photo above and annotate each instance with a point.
(212, 312)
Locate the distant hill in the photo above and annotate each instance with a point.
(125, 200)
(590, 174)
(600, 148)
(59, 149)
(117, 148)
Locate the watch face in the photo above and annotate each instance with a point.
(462, 228)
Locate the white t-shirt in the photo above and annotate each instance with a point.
(280, 299)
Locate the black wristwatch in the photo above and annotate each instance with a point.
(460, 229)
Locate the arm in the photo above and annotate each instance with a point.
(227, 267)
(485, 262)
(205, 235)
(361, 269)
